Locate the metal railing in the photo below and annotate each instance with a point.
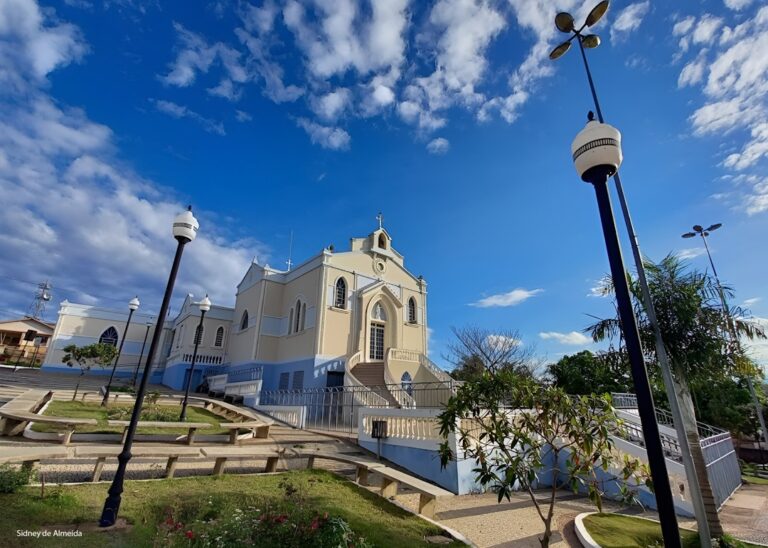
(242, 375)
(716, 445)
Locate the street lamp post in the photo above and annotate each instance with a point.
(185, 228)
(684, 419)
(141, 354)
(133, 305)
(704, 233)
(205, 306)
(597, 155)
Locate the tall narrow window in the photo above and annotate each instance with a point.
(244, 321)
(382, 241)
(341, 294)
(198, 334)
(406, 382)
(298, 380)
(283, 382)
(219, 341)
(411, 310)
(109, 336)
(297, 325)
(303, 315)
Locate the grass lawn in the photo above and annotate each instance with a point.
(753, 479)
(146, 504)
(616, 531)
(75, 409)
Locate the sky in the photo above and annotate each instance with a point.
(308, 118)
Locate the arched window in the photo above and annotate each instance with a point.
(341, 294)
(290, 322)
(219, 340)
(378, 313)
(298, 323)
(198, 334)
(109, 336)
(382, 241)
(303, 315)
(406, 382)
(244, 321)
(411, 310)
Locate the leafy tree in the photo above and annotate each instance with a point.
(696, 333)
(85, 357)
(588, 373)
(518, 433)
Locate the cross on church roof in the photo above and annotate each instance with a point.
(380, 218)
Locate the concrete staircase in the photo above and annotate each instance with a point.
(372, 376)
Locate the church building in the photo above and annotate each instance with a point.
(352, 318)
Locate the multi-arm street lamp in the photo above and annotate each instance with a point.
(185, 228)
(684, 419)
(597, 155)
(704, 233)
(133, 305)
(141, 355)
(205, 306)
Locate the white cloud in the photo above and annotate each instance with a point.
(573, 338)
(34, 43)
(603, 288)
(242, 116)
(78, 215)
(730, 68)
(691, 252)
(751, 302)
(332, 105)
(179, 111)
(502, 343)
(333, 138)
(438, 146)
(737, 5)
(512, 298)
(629, 19)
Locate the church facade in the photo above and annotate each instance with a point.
(352, 318)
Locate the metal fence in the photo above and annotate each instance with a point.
(716, 445)
(337, 408)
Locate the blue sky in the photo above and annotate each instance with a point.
(447, 116)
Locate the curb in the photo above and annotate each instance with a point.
(581, 531)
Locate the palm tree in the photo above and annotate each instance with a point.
(695, 331)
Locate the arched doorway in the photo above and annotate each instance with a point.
(377, 333)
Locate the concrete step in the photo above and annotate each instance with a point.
(372, 376)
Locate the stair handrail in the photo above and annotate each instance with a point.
(363, 395)
(403, 398)
(441, 375)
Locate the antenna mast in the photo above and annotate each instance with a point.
(43, 295)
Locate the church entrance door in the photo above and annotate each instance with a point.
(377, 342)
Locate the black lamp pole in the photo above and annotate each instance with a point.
(184, 230)
(704, 233)
(132, 307)
(141, 354)
(198, 335)
(597, 155)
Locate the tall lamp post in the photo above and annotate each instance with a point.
(133, 305)
(597, 155)
(205, 306)
(141, 355)
(185, 228)
(684, 418)
(704, 233)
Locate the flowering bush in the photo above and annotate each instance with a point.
(253, 522)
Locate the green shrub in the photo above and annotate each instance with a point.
(12, 479)
(159, 413)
